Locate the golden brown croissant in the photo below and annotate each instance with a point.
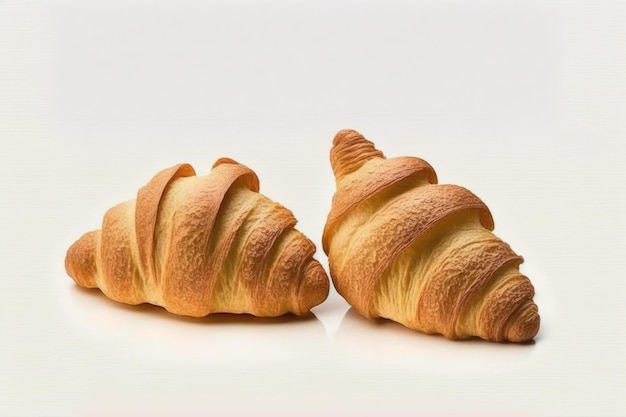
(402, 247)
(202, 244)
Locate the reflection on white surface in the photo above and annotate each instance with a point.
(388, 344)
(151, 333)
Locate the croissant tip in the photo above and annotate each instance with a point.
(80, 260)
(314, 288)
(346, 134)
(350, 151)
(526, 326)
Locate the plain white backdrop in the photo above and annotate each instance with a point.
(524, 103)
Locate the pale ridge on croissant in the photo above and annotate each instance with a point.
(202, 244)
(403, 247)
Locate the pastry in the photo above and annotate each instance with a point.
(202, 244)
(403, 247)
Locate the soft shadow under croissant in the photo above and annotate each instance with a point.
(202, 244)
(401, 246)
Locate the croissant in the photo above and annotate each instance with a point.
(202, 244)
(402, 247)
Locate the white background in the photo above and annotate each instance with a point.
(521, 102)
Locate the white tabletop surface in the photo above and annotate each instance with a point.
(524, 103)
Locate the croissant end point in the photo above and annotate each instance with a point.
(314, 288)
(350, 151)
(526, 325)
(80, 260)
(346, 134)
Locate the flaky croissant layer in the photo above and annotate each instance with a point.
(401, 246)
(202, 244)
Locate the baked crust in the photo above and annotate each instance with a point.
(202, 244)
(403, 247)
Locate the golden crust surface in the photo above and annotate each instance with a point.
(202, 244)
(403, 247)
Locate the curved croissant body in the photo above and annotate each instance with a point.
(202, 244)
(402, 247)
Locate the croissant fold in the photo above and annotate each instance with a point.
(402, 247)
(202, 244)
